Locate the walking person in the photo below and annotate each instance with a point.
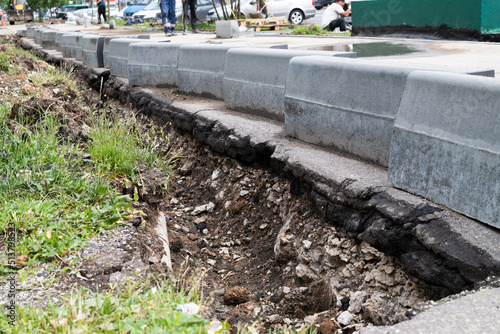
(167, 8)
(101, 10)
(191, 4)
(334, 15)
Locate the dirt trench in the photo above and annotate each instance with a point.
(263, 250)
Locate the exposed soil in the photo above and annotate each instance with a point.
(261, 249)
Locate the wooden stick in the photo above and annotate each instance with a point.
(162, 232)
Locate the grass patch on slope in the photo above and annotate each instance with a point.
(50, 190)
(134, 308)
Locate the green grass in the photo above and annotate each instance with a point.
(118, 146)
(134, 308)
(9, 60)
(57, 199)
(59, 77)
(316, 30)
(201, 26)
(50, 194)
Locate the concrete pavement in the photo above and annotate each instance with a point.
(436, 52)
(478, 313)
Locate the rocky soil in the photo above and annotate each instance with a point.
(262, 251)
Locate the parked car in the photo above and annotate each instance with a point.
(296, 11)
(92, 12)
(86, 11)
(149, 12)
(132, 9)
(319, 4)
(63, 11)
(115, 12)
(202, 9)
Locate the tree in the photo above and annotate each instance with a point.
(45, 4)
(4, 4)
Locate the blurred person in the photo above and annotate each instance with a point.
(191, 4)
(101, 10)
(167, 8)
(334, 15)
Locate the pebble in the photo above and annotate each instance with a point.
(200, 220)
(310, 319)
(356, 301)
(345, 318)
(307, 244)
(274, 319)
(203, 208)
(153, 259)
(336, 242)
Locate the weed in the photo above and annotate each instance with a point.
(10, 58)
(117, 146)
(58, 77)
(114, 145)
(5, 62)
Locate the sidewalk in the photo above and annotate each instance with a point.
(438, 52)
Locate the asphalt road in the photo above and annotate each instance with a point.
(316, 19)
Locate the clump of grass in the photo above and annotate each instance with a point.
(316, 30)
(117, 146)
(5, 108)
(10, 57)
(114, 145)
(5, 62)
(202, 25)
(135, 308)
(307, 30)
(58, 77)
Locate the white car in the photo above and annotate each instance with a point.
(149, 12)
(92, 12)
(296, 11)
(115, 12)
